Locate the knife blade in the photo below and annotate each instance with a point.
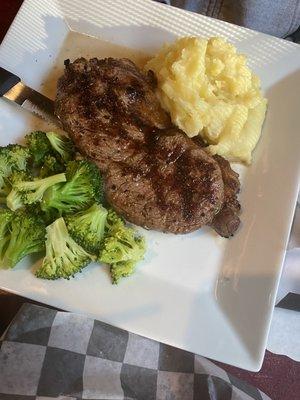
(13, 89)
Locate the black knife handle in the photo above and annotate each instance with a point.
(7, 81)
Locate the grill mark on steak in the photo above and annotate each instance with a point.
(170, 185)
(185, 185)
(180, 181)
(155, 176)
(115, 93)
(98, 102)
(153, 173)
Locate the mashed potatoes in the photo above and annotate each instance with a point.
(208, 89)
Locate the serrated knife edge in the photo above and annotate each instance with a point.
(33, 101)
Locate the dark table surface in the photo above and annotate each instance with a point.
(279, 376)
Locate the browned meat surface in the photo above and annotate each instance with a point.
(155, 176)
(102, 103)
(227, 221)
(170, 185)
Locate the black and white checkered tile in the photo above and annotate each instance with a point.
(54, 355)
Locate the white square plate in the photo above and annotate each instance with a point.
(199, 292)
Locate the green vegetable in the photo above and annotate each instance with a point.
(27, 235)
(82, 189)
(62, 145)
(64, 257)
(4, 191)
(6, 217)
(32, 191)
(122, 269)
(19, 157)
(121, 248)
(12, 158)
(87, 227)
(5, 166)
(40, 183)
(50, 144)
(39, 146)
(123, 245)
(51, 166)
(3, 195)
(14, 199)
(113, 223)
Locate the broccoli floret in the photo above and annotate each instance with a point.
(39, 146)
(51, 166)
(121, 249)
(64, 257)
(32, 191)
(42, 145)
(14, 199)
(87, 227)
(6, 217)
(19, 157)
(62, 144)
(4, 191)
(83, 188)
(12, 158)
(121, 269)
(27, 235)
(113, 223)
(5, 166)
(123, 245)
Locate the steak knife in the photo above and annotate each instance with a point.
(13, 89)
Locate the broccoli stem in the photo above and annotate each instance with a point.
(6, 217)
(39, 186)
(64, 257)
(14, 200)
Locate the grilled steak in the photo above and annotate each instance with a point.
(170, 184)
(101, 103)
(227, 221)
(154, 175)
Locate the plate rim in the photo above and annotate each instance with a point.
(28, 3)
